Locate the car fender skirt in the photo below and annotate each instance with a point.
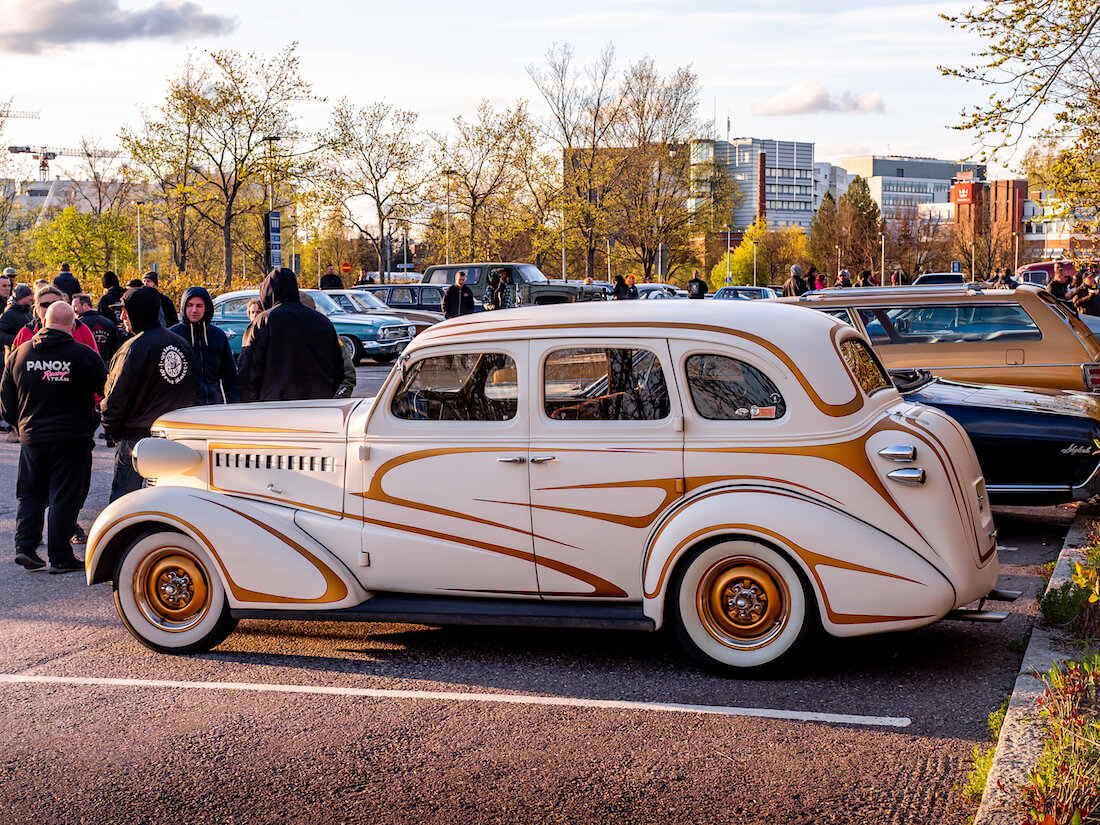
(862, 579)
(264, 559)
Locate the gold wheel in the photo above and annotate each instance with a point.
(171, 590)
(742, 602)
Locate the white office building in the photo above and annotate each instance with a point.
(897, 181)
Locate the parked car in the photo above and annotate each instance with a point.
(373, 336)
(357, 300)
(940, 279)
(407, 296)
(744, 472)
(1022, 336)
(750, 293)
(1035, 446)
(533, 288)
(1041, 273)
(660, 291)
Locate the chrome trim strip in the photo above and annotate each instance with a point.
(1028, 488)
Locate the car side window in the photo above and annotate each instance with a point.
(726, 389)
(344, 302)
(464, 386)
(840, 313)
(431, 296)
(949, 323)
(402, 296)
(605, 384)
(235, 306)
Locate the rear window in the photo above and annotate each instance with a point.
(725, 389)
(865, 367)
(446, 275)
(948, 323)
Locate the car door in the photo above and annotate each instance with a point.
(606, 457)
(231, 317)
(446, 491)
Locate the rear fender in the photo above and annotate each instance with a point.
(264, 559)
(862, 579)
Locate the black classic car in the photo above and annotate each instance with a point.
(1035, 446)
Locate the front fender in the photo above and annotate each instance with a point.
(862, 579)
(265, 560)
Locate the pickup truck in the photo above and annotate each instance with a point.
(533, 287)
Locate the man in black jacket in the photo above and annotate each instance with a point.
(152, 373)
(112, 295)
(48, 390)
(103, 329)
(215, 367)
(289, 352)
(66, 282)
(17, 315)
(168, 310)
(458, 299)
(330, 280)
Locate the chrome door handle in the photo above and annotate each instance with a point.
(542, 459)
(516, 459)
(274, 489)
(908, 475)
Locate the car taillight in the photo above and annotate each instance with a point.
(1092, 377)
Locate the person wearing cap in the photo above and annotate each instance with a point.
(48, 391)
(1086, 300)
(66, 282)
(289, 352)
(168, 317)
(152, 373)
(16, 315)
(112, 295)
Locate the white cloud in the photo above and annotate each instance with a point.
(810, 97)
(32, 28)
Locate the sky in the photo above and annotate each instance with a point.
(851, 77)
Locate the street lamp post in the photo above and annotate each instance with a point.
(138, 204)
(448, 173)
(973, 274)
(270, 141)
(837, 260)
(1016, 238)
(754, 243)
(728, 278)
(882, 259)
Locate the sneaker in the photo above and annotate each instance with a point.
(74, 566)
(79, 536)
(108, 441)
(29, 559)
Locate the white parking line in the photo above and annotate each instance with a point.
(450, 696)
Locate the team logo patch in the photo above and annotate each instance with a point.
(173, 364)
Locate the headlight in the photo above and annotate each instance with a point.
(393, 333)
(159, 457)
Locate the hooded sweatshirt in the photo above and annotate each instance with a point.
(48, 388)
(290, 351)
(215, 369)
(153, 372)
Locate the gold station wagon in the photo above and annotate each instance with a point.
(1023, 336)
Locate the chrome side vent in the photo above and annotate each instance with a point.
(267, 461)
(899, 452)
(913, 476)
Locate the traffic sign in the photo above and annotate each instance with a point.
(956, 266)
(345, 267)
(729, 280)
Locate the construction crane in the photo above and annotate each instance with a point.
(47, 153)
(7, 111)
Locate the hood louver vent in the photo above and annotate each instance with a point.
(265, 461)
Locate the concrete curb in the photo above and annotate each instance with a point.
(1019, 746)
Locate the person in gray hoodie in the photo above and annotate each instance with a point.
(215, 368)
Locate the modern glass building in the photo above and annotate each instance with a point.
(896, 181)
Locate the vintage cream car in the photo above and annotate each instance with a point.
(745, 472)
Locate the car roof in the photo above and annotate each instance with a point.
(937, 293)
(788, 327)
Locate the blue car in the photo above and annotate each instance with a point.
(372, 336)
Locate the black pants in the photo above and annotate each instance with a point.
(54, 474)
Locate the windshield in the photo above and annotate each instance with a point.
(530, 274)
(325, 305)
(366, 301)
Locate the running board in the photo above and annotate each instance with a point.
(971, 615)
(1004, 595)
(449, 610)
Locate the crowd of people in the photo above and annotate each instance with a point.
(72, 366)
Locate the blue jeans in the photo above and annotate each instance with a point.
(126, 478)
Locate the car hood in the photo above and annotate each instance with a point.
(1058, 402)
(299, 420)
(364, 319)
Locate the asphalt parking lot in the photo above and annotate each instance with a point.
(342, 722)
